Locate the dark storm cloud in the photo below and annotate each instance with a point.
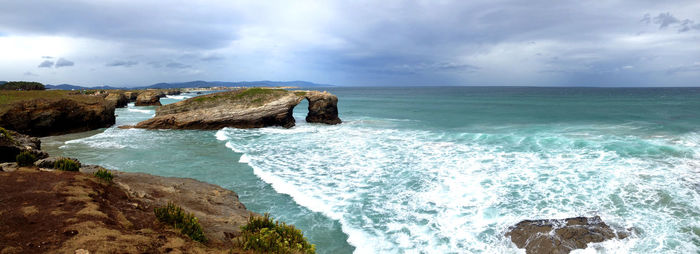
(62, 62)
(46, 64)
(121, 63)
(376, 42)
(155, 23)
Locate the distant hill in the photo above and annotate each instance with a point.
(196, 84)
(200, 83)
(73, 87)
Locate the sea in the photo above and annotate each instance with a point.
(444, 169)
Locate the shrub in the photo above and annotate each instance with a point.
(104, 175)
(66, 164)
(263, 234)
(175, 216)
(6, 134)
(25, 158)
(22, 85)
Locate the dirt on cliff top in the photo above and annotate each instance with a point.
(61, 212)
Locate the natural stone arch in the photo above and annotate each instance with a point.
(323, 107)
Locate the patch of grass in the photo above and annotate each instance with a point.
(6, 134)
(300, 93)
(104, 175)
(25, 158)
(175, 216)
(66, 164)
(9, 98)
(263, 234)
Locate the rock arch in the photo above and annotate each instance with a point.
(323, 107)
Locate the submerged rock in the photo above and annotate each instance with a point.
(12, 143)
(561, 236)
(244, 108)
(149, 98)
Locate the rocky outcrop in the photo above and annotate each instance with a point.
(244, 108)
(50, 162)
(323, 107)
(53, 116)
(218, 210)
(118, 100)
(13, 143)
(561, 236)
(149, 98)
(172, 92)
(131, 96)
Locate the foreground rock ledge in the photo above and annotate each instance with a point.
(244, 108)
(561, 236)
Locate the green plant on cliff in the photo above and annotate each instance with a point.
(66, 164)
(25, 158)
(6, 134)
(175, 216)
(265, 235)
(104, 175)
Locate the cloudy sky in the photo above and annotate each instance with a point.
(358, 43)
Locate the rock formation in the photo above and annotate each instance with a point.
(53, 116)
(149, 98)
(323, 107)
(118, 100)
(561, 236)
(244, 108)
(13, 143)
(131, 96)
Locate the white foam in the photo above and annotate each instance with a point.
(418, 191)
(144, 111)
(244, 159)
(178, 97)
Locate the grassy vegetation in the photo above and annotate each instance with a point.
(8, 97)
(25, 158)
(265, 235)
(254, 96)
(66, 164)
(6, 134)
(22, 85)
(175, 216)
(300, 93)
(104, 175)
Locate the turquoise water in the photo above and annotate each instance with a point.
(447, 169)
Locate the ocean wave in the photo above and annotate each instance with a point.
(144, 111)
(402, 190)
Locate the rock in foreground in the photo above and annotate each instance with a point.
(244, 108)
(561, 236)
(13, 143)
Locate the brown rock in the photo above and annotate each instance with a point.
(131, 96)
(323, 108)
(561, 236)
(12, 143)
(149, 98)
(218, 210)
(243, 108)
(49, 116)
(118, 100)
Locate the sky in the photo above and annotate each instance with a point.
(353, 43)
